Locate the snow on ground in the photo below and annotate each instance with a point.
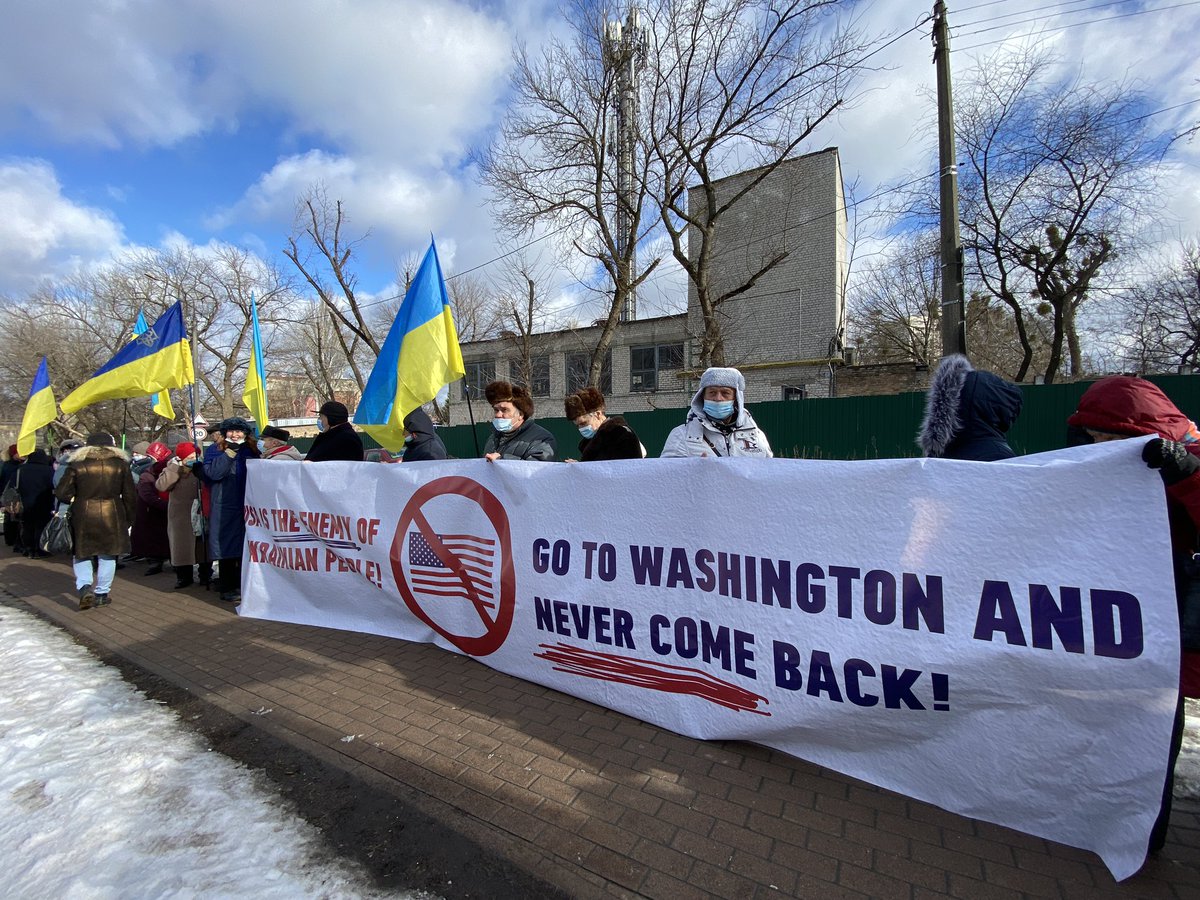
(1187, 768)
(103, 794)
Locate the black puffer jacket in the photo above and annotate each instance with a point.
(531, 441)
(968, 413)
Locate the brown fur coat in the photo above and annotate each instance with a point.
(100, 488)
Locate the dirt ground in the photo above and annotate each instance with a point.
(400, 847)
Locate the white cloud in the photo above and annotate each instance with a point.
(44, 235)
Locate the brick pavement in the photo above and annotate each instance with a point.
(592, 801)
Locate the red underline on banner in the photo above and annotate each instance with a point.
(651, 675)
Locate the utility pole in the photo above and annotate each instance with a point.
(624, 55)
(954, 326)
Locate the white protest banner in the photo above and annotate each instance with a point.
(997, 639)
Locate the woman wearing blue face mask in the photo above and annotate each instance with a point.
(514, 433)
(718, 423)
(603, 437)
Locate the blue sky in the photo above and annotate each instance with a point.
(134, 123)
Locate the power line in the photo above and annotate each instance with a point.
(1041, 10)
(1057, 28)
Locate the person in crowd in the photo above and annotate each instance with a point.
(182, 487)
(421, 441)
(273, 444)
(968, 413)
(8, 478)
(337, 438)
(139, 459)
(64, 452)
(226, 473)
(718, 423)
(514, 433)
(1120, 407)
(149, 536)
(35, 484)
(601, 436)
(99, 486)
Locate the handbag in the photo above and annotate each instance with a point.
(11, 498)
(56, 536)
(198, 523)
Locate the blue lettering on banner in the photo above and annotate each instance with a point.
(688, 638)
(817, 676)
(601, 624)
(1116, 620)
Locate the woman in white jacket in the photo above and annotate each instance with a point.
(718, 423)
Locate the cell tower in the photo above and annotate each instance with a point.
(624, 56)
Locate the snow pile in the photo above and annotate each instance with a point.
(103, 794)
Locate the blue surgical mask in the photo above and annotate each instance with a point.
(587, 431)
(320, 425)
(502, 425)
(718, 410)
(408, 438)
(262, 447)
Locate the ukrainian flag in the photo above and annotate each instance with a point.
(39, 411)
(420, 356)
(160, 403)
(255, 393)
(159, 359)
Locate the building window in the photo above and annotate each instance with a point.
(794, 392)
(577, 372)
(537, 379)
(479, 375)
(647, 364)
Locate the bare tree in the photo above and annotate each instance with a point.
(554, 162)
(322, 254)
(895, 303)
(736, 84)
(475, 307)
(1053, 177)
(1161, 318)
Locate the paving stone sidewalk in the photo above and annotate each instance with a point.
(594, 802)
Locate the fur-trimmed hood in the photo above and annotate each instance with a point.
(968, 413)
(87, 452)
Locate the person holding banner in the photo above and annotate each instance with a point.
(514, 433)
(226, 474)
(718, 423)
(602, 437)
(99, 486)
(1120, 407)
(968, 413)
(421, 442)
(337, 438)
(273, 444)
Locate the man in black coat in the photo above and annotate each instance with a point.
(420, 440)
(338, 439)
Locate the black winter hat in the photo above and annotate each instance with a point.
(235, 423)
(101, 439)
(335, 412)
(278, 433)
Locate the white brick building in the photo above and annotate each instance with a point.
(784, 333)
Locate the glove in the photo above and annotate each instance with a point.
(1172, 460)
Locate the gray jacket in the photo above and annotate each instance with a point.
(530, 441)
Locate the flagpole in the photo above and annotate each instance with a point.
(471, 412)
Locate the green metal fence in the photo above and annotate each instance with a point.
(846, 427)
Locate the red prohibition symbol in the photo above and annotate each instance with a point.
(460, 570)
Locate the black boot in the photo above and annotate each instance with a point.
(155, 567)
(183, 577)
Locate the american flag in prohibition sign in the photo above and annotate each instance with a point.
(431, 577)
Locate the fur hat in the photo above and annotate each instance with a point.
(158, 451)
(278, 433)
(100, 439)
(235, 423)
(584, 401)
(722, 377)
(335, 412)
(501, 391)
(941, 405)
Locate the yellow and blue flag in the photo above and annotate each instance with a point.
(160, 403)
(255, 393)
(420, 356)
(39, 411)
(159, 359)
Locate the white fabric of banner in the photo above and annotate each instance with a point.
(998, 639)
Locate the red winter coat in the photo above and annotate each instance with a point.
(1131, 406)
